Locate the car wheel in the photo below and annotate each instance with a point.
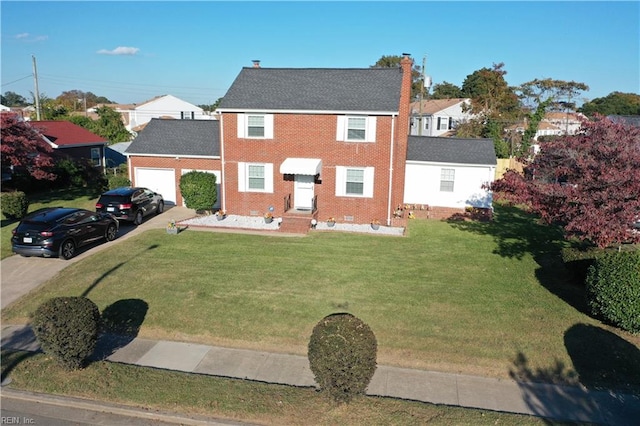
(112, 232)
(67, 249)
(137, 220)
(160, 208)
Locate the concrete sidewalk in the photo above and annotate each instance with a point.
(564, 403)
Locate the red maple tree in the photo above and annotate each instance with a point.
(588, 183)
(22, 146)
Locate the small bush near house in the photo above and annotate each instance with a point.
(67, 329)
(199, 190)
(15, 205)
(613, 289)
(117, 181)
(342, 356)
(80, 174)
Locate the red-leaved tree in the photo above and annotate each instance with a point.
(22, 146)
(587, 183)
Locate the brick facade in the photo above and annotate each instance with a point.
(313, 135)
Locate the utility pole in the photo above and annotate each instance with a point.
(37, 94)
(420, 123)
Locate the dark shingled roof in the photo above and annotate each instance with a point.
(451, 150)
(178, 137)
(316, 89)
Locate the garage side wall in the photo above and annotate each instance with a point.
(170, 189)
(422, 185)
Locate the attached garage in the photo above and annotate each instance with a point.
(162, 181)
(166, 149)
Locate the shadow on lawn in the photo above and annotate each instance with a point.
(518, 233)
(604, 387)
(120, 324)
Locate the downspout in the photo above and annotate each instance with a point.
(393, 122)
(222, 163)
(129, 171)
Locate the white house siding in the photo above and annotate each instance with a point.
(164, 107)
(453, 112)
(422, 185)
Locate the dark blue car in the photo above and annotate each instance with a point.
(59, 231)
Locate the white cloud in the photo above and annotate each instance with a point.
(120, 50)
(30, 37)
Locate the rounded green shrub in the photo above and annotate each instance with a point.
(198, 189)
(67, 329)
(15, 205)
(117, 181)
(342, 356)
(613, 289)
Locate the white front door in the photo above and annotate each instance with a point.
(303, 192)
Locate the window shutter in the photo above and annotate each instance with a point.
(268, 177)
(242, 177)
(268, 126)
(450, 123)
(341, 175)
(340, 128)
(439, 120)
(241, 125)
(371, 129)
(368, 181)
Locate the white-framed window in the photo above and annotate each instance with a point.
(255, 126)
(255, 177)
(354, 181)
(447, 178)
(426, 123)
(356, 128)
(96, 159)
(187, 115)
(443, 123)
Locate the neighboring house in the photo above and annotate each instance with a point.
(628, 120)
(166, 106)
(4, 108)
(167, 149)
(553, 124)
(314, 143)
(438, 117)
(115, 154)
(70, 140)
(447, 174)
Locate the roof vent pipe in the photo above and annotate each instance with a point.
(256, 63)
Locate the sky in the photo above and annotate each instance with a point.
(130, 52)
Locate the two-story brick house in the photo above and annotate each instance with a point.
(330, 142)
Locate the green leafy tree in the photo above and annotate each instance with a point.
(211, 107)
(615, 103)
(12, 99)
(494, 105)
(393, 61)
(446, 90)
(110, 126)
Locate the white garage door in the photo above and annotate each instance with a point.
(161, 181)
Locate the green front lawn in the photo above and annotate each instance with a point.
(477, 298)
(54, 198)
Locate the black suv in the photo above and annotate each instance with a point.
(130, 204)
(58, 231)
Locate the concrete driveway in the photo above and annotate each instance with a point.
(20, 275)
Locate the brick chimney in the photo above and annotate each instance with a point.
(256, 63)
(406, 64)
